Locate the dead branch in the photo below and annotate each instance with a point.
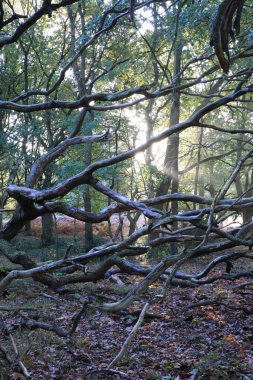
(17, 354)
(142, 286)
(78, 317)
(244, 285)
(53, 327)
(129, 339)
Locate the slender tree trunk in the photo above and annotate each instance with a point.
(47, 236)
(148, 155)
(171, 179)
(211, 180)
(80, 75)
(28, 118)
(171, 156)
(88, 230)
(196, 180)
(132, 222)
(247, 214)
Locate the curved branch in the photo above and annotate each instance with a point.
(46, 9)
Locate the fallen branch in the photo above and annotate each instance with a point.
(213, 301)
(46, 326)
(78, 317)
(127, 342)
(218, 301)
(17, 354)
(241, 286)
(16, 361)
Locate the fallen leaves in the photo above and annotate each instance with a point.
(172, 346)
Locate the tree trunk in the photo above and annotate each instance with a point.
(88, 230)
(196, 180)
(247, 214)
(148, 155)
(80, 75)
(47, 236)
(171, 156)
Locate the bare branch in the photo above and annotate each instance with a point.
(129, 339)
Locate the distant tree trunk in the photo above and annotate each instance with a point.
(47, 236)
(148, 155)
(247, 214)
(88, 230)
(28, 119)
(171, 179)
(14, 167)
(172, 150)
(196, 180)
(150, 119)
(80, 75)
(132, 221)
(28, 226)
(171, 155)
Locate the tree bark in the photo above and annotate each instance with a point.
(47, 236)
(171, 179)
(80, 75)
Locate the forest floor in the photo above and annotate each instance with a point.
(178, 342)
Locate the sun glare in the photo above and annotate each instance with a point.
(158, 149)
